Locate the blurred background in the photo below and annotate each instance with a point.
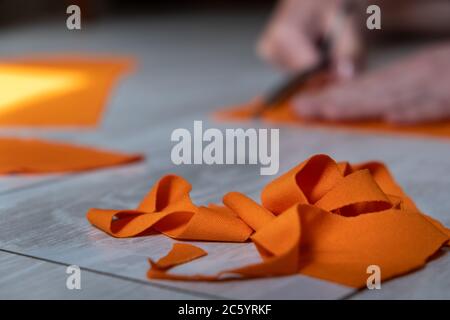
(196, 55)
(22, 11)
(181, 47)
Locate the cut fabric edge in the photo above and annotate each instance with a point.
(22, 162)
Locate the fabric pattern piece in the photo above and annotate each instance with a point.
(57, 90)
(19, 155)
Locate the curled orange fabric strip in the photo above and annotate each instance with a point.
(179, 254)
(38, 156)
(323, 219)
(168, 209)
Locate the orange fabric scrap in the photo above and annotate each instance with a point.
(37, 156)
(57, 90)
(322, 219)
(179, 254)
(285, 114)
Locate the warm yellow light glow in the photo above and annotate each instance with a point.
(19, 84)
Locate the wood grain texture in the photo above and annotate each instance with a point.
(28, 278)
(432, 282)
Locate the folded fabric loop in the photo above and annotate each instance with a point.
(121, 223)
(382, 177)
(169, 210)
(355, 194)
(386, 182)
(305, 183)
(248, 210)
(170, 193)
(345, 168)
(280, 235)
(131, 223)
(319, 174)
(211, 225)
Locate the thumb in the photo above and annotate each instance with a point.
(347, 49)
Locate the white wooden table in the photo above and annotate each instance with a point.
(189, 66)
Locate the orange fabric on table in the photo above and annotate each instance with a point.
(179, 254)
(57, 90)
(19, 155)
(167, 208)
(323, 219)
(285, 114)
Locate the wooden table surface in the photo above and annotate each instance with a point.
(189, 65)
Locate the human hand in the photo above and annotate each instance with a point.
(413, 90)
(290, 39)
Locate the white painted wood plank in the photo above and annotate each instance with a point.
(28, 278)
(432, 282)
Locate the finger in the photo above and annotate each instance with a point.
(300, 52)
(420, 113)
(331, 107)
(307, 106)
(368, 96)
(347, 47)
(288, 42)
(288, 47)
(394, 94)
(348, 101)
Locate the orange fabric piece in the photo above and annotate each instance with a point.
(57, 90)
(179, 254)
(168, 209)
(38, 156)
(323, 219)
(285, 114)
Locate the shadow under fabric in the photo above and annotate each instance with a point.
(322, 219)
